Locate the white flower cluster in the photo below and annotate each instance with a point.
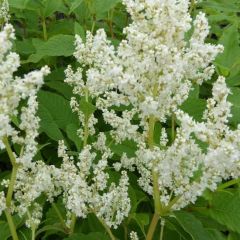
(4, 11)
(133, 236)
(2, 202)
(15, 90)
(150, 74)
(85, 185)
(19, 123)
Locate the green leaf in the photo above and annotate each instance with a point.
(216, 235)
(4, 227)
(90, 236)
(128, 147)
(72, 134)
(25, 47)
(192, 226)
(58, 107)
(225, 209)
(79, 30)
(48, 125)
(233, 236)
(86, 107)
(235, 110)
(59, 45)
(142, 219)
(100, 6)
(32, 5)
(51, 6)
(229, 59)
(60, 87)
(194, 106)
(74, 4)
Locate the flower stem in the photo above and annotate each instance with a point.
(152, 227)
(228, 184)
(73, 223)
(45, 36)
(33, 233)
(173, 127)
(59, 215)
(108, 230)
(162, 229)
(11, 224)
(156, 191)
(85, 142)
(11, 188)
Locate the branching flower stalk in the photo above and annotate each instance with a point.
(13, 91)
(149, 75)
(135, 87)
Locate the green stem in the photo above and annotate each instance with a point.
(108, 230)
(192, 6)
(9, 151)
(162, 229)
(45, 35)
(93, 23)
(85, 142)
(10, 188)
(152, 227)
(228, 184)
(173, 202)
(33, 233)
(73, 223)
(173, 127)
(59, 215)
(11, 224)
(125, 231)
(156, 191)
(151, 126)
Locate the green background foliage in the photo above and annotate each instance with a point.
(45, 32)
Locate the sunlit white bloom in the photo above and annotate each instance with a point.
(4, 11)
(148, 77)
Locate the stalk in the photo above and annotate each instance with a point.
(73, 223)
(108, 230)
(173, 128)
(162, 229)
(152, 227)
(44, 27)
(11, 188)
(85, 142)
(11, 224)
(59, 215)
(156, 192)
(228, 184)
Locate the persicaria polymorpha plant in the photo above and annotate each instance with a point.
(135, 89)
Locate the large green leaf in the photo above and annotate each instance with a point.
(90, 236)
(48, 125)
(225, 209)
(230, 58)
(234, 98)
(51, 6)
(74, 4)
(192, 226)
(58, 45)
(72, 135)
(58, 107)
(194, 106)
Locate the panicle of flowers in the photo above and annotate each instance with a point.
(133, 236)
(149, 75)
(19, 125)
(4, 11)
(85, 184)
(15, 90)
